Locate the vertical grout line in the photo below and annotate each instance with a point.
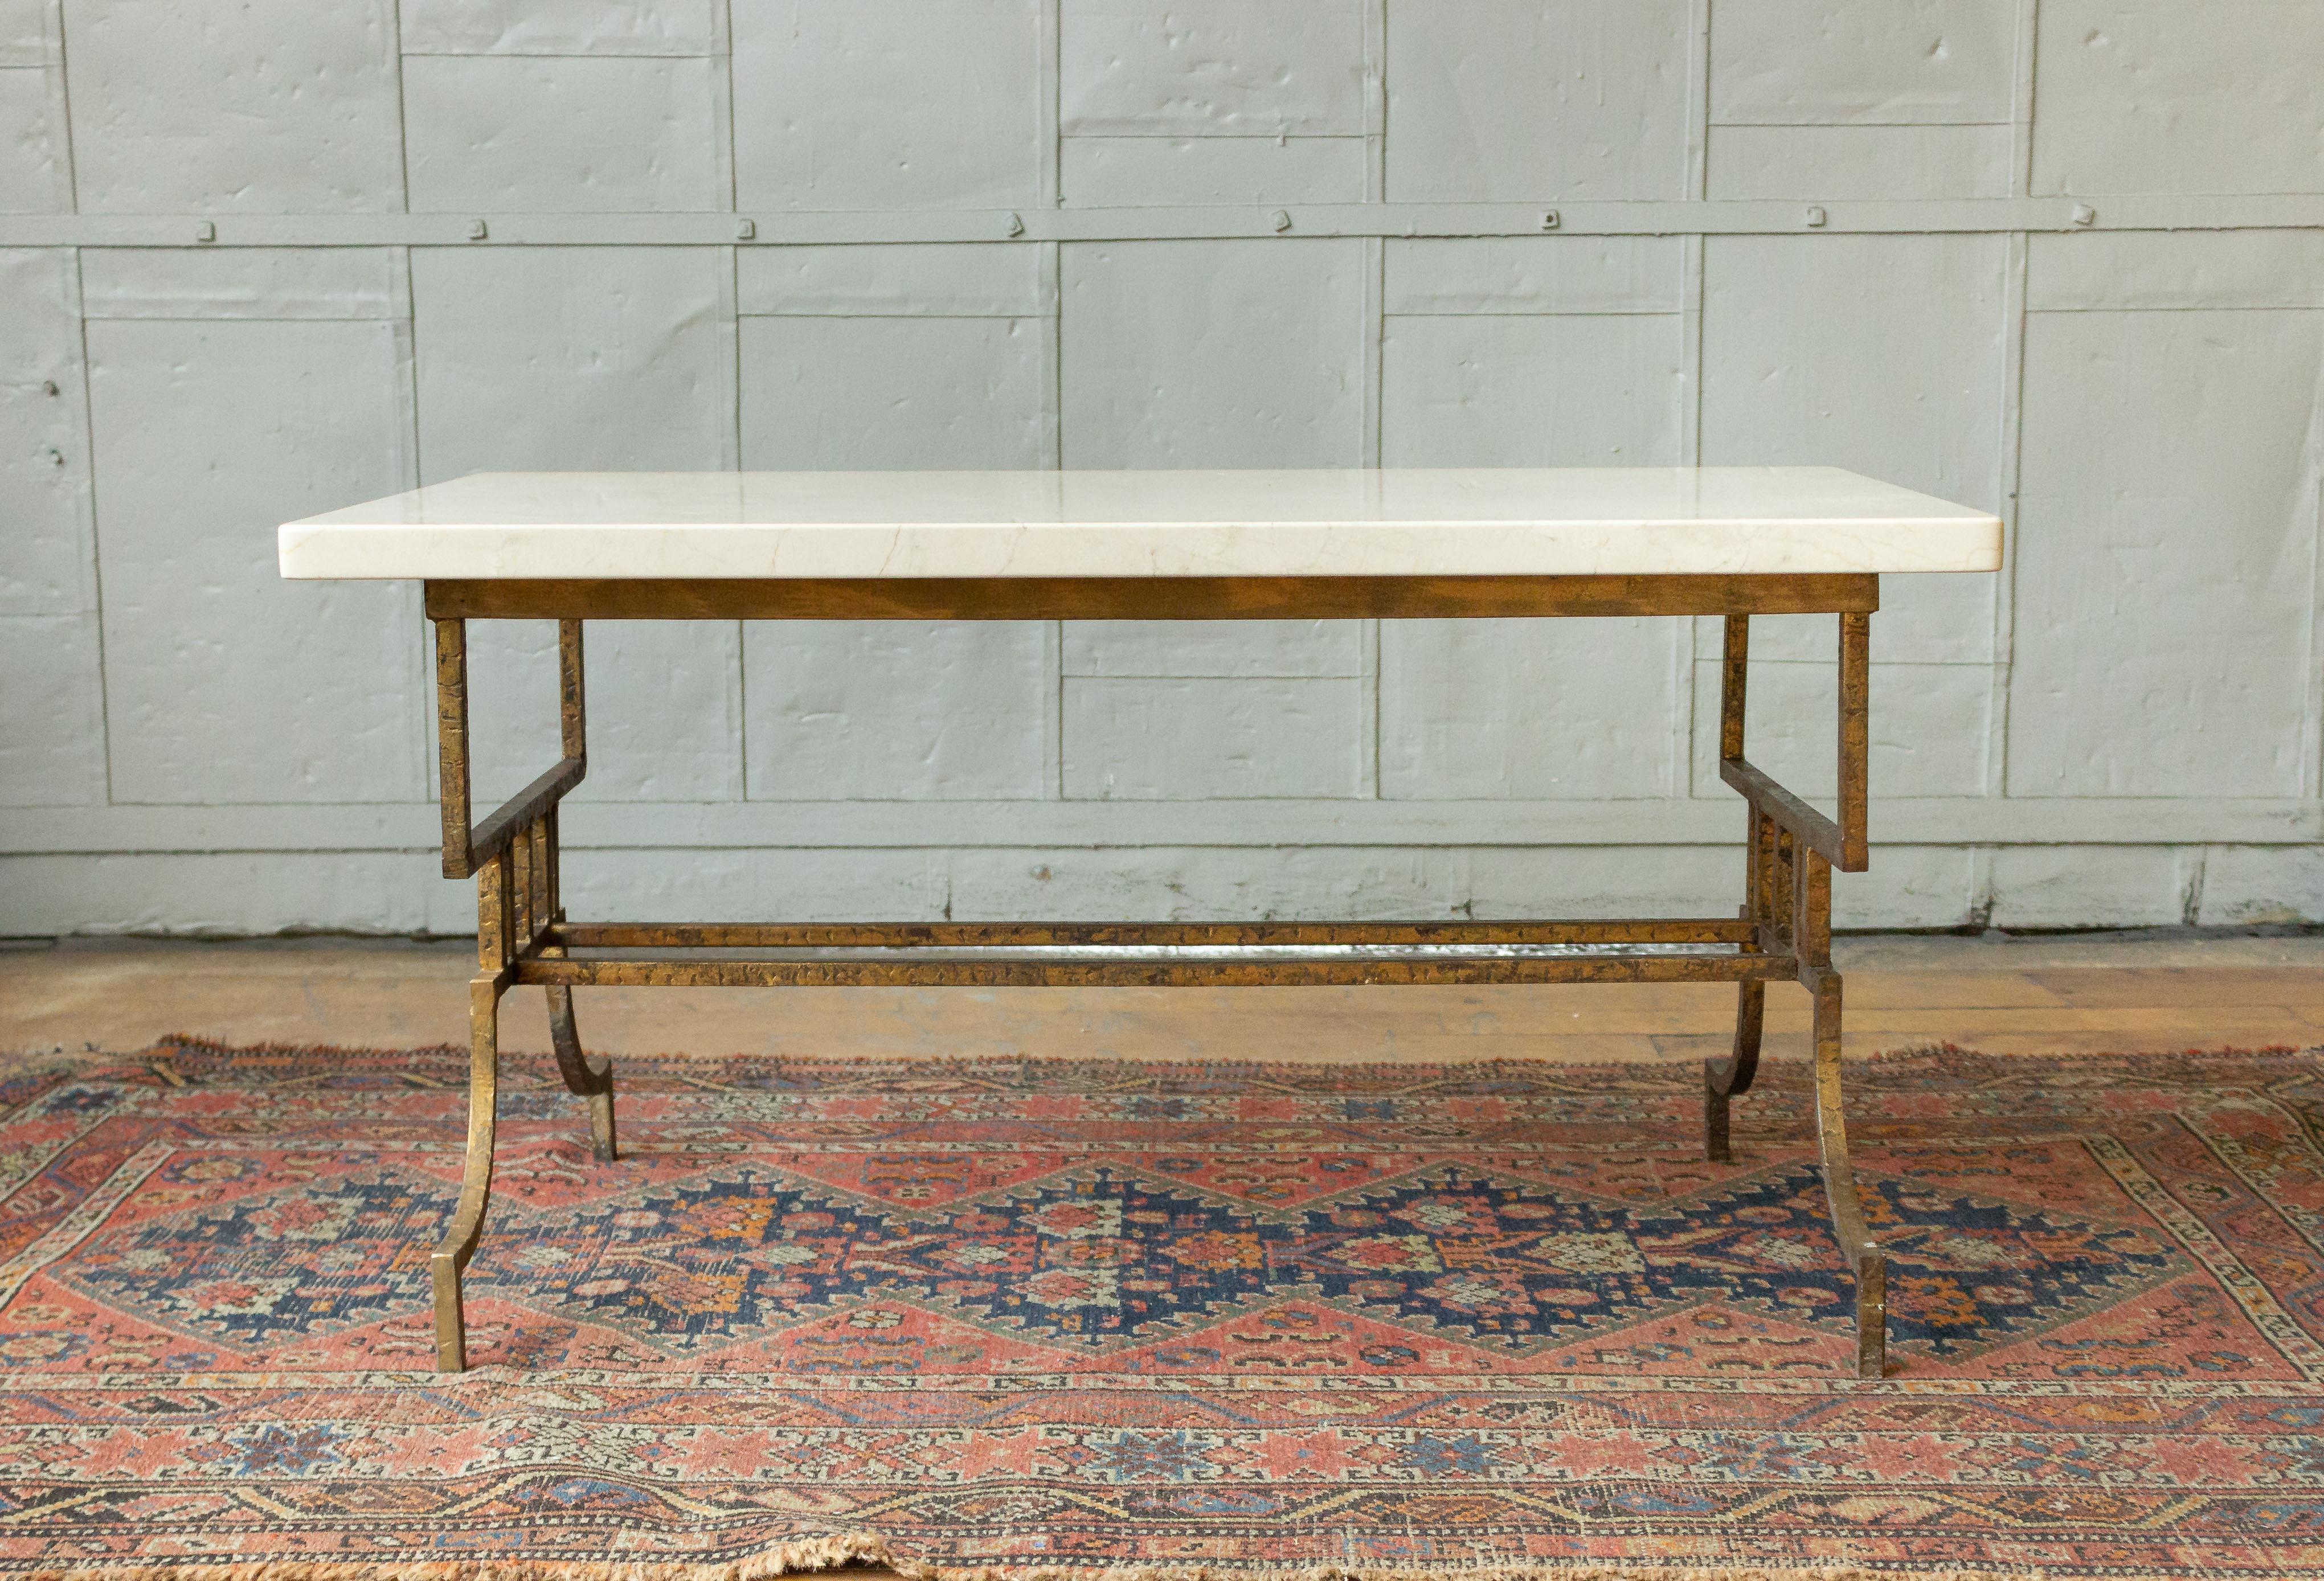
(731, 292)
(1368, 661)
(402, 114)
(2016, 316)
(2021, 101)
(95, 551)
(1684, 701)
(723, 21)
(730, 339)
(2312, 724)
(418, 676)
(1375, 394)
(1049, 75)
(1053, 642)
(2012, 436)
(1685, 642)
(1375, 101)
(1697, 100)
(1051, 264)
(52, 24)
(1375, 332)
(1052, 733)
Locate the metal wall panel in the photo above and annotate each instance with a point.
(224, 682)
(268, 107)
(1929, 728)
(881, 711)
(47, 543)
(52, 712)
(1553, 351)
(1200, 739)
(888, 104)
(1903, 101)
(563, 27)
(1797, 62)
(665, 709)
(1110, 170)
(1566, 389)
(604, 358)
(2244, 885)
(651, 886)
(1218, 648)
(244, 282)
(28, 32)
(1211, 354)
(1786, 324)
(2037, 887)
(592, 357)
(1534, 274)
(1555, 709)
(2188, 270)
(940, 280)
(231, 893)
(1211, 67)
(35, 155)
(894, 392)
(570, 133)
(1213, 102)
(2167, 530)
(2198, 95)
(1863, 163)
(936, 356)
(641, 296)
(1510, 100)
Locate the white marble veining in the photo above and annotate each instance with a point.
(1395, 522)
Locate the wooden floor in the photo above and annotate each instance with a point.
(2000, 995)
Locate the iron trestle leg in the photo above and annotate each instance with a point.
(1787, 897)
(515, 857)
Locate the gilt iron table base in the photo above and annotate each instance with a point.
(1783, 932)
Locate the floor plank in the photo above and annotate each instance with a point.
(2004, 996)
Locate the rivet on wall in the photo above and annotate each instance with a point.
(1015, 224)
(1815, 218)
(2085, 215)
(1282, 220)
(476, 230)
(205, 231)
(1549, 221)
(746, 230)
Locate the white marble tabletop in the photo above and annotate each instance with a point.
(1487, 521)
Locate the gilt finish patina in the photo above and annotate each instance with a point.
(1783, 931)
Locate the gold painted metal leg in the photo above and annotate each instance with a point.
(1724, 1080)
(594, 1082)
(459, 1243)
(1864, 1254)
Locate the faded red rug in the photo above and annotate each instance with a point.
(1091, 1315)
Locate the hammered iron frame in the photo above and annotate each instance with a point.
(1782, 933)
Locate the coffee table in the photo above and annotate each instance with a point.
(1048, 546)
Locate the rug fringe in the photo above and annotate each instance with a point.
(864, 1550)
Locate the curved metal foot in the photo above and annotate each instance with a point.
(1725, 1078)
(1864, 1254)
(459, 1243)
(594, 1082)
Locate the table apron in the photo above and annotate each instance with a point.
(1153, 598)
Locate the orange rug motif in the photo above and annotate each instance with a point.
(1080, 1316)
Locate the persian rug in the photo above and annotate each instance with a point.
(1067, 1317)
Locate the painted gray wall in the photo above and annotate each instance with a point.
(2070, 268)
